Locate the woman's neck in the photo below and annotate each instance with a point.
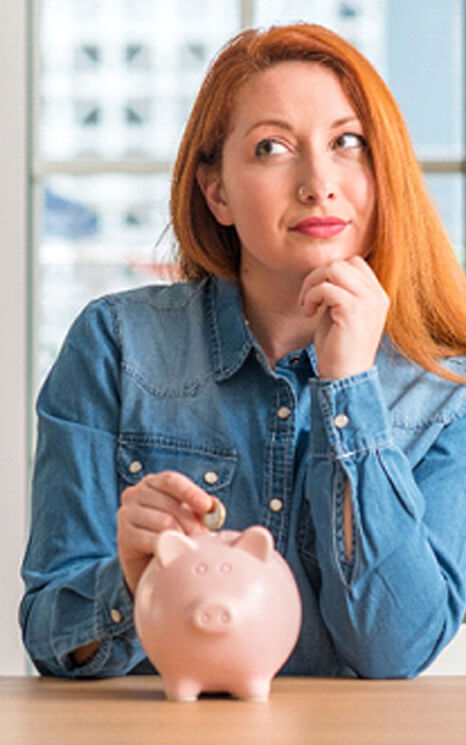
(276, 319)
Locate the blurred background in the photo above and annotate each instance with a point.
(96, 94)
(114, 84)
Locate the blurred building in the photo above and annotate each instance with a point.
(116, 81)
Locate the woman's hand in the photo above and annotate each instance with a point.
(352, 307)
(158, 502)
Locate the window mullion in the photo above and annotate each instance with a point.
(42, 167)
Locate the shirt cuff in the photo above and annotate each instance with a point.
(348, 416)
(114, 611)
(113, 620)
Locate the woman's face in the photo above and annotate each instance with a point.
(296, 180)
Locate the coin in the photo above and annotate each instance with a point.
(214, 519)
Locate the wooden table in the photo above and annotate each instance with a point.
(300, 711)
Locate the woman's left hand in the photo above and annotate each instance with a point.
(352, 307)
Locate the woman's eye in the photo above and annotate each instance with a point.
(350, 140)
(269, 147)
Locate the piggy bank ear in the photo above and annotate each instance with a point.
(170, 544)
(257, 541)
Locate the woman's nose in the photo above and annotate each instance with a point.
(306, 193)
(315, 183)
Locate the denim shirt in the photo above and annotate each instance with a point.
(172, 378)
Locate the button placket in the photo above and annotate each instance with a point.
(283, 412)
(275, 504)
(279, 474)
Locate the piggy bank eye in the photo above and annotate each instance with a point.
(226, 568)
(201, 568)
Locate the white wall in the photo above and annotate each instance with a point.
(452, 660)
(13, 344)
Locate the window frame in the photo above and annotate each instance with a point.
(42, 167)
(14, 290)
(23, 23)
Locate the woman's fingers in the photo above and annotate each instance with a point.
(329, 294)
(353, 307)
(181, 489)
(164, 493)
(161, 501)
(353, 275)
(165, 515)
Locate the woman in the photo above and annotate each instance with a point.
(310, 374)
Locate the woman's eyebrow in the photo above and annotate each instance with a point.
(345, 120)
(286, 125)
(270, 122)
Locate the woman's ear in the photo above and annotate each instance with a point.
(210, 183)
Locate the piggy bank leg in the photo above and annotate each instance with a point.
(181, 689)
(254, 689)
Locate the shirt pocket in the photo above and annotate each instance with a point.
(212, 469)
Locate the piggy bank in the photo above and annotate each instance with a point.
(217, 612)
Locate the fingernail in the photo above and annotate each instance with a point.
(205, 503)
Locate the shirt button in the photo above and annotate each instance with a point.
(340, 421)
(210, 477)
(116, 615)
(275, 504)
(135, 466)
(283, 412)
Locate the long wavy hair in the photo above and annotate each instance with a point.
(412, 255)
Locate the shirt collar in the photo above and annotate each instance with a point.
(230, 339)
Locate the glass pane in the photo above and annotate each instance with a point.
(118, 80)
(361, 22)
(418, 48)
(100, 234)
(119, 76)
(448, 192)
(425, 70)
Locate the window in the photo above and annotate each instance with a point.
(115, 80)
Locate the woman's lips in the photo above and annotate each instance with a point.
(320, 227)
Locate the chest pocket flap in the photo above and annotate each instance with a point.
(212, 469)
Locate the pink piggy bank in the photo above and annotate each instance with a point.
(217, 612)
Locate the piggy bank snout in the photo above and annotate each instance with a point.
(214, 618)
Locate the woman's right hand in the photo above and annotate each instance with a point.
(160, 501)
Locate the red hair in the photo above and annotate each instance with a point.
(412, 255)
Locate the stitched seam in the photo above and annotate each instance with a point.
(116, 322)
(335, 536)
(187, 391)
(269, 464)
(211, 320)
(339, 385)
(336, 456)
(119, 298)
(177, 445)
(460, 413)
(287, 469)
(221, 371)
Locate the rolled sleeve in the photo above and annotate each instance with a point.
(348, 416)
(401, 598)
(75, 590)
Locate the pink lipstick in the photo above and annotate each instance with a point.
(320, 227)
